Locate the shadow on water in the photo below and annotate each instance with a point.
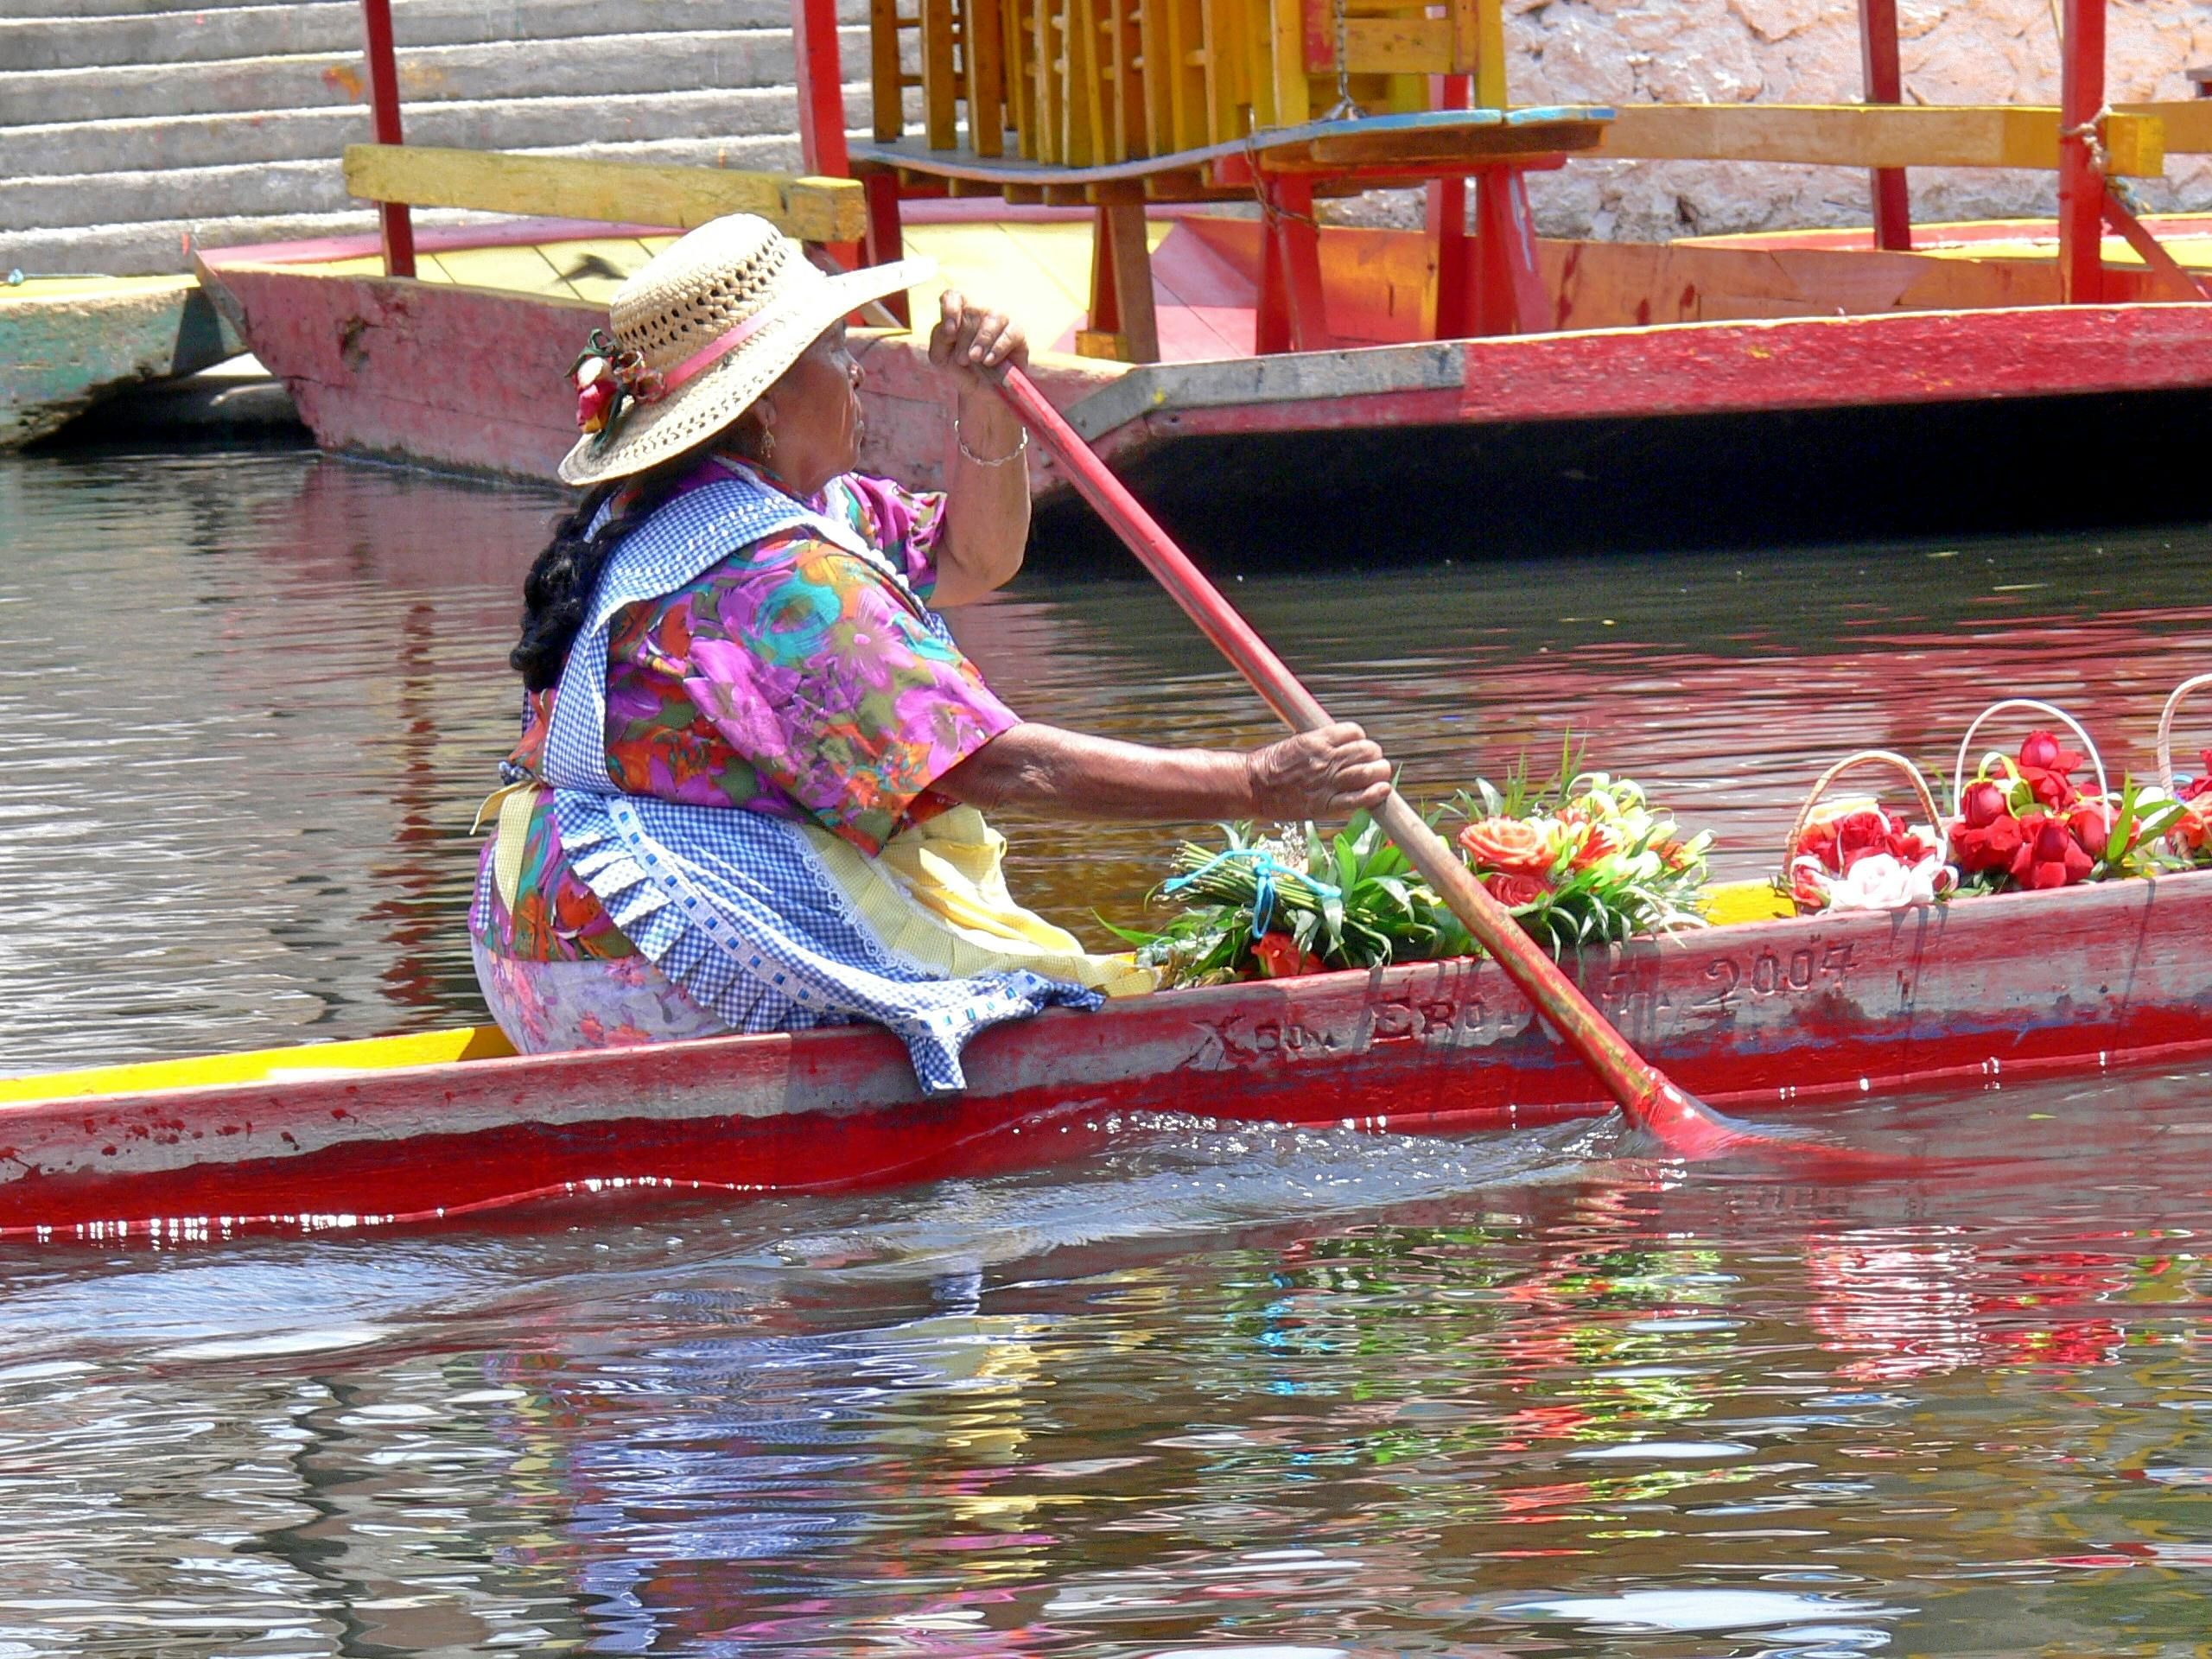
(1386, 496)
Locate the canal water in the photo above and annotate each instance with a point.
(1277, 1397)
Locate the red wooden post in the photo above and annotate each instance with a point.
(2082, 153)
(1878, 50)
(1447, 223)
(821, 89)
(886, 237)
(822, 102)
(1508, 287)
(398, 226)
(1292, 313)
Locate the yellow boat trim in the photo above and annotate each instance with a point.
(889, 908)
(263, 1065)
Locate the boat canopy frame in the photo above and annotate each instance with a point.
(1236, 118)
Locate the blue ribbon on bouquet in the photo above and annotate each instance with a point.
(1265, 869)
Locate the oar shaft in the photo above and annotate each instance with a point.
(1185, 582)
(1632, 1081)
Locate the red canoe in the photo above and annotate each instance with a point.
(1757, 1018)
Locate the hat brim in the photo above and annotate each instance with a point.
(646, 434)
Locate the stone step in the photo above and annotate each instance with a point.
(166, 244)
(212, 140)
(51, 11)
(277, 189)
(614, 65)
(218, 35)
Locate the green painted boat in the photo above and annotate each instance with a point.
(68, 342)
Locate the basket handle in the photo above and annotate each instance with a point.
(1966, 743)
(2166, 728)
(1888, 758)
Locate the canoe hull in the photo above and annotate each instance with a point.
(456, 376)
(1760, 1017)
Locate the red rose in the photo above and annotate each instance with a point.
(1910, 847)
(1992, 847)
(1808, 886)
(2049, 770)
(1819, 842)
(2090, 824)
(1513, 889)
(1512, 845)
(2042, 751)
(1280, 957)
(1860, 835)
(2049, 854)
(1982, 804)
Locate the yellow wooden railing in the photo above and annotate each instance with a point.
(1084, 83)
(550, 187)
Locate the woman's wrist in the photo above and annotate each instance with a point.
(984, 430)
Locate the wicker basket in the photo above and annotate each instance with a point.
(1888, 758)
(1966, 745)
(2166, 728)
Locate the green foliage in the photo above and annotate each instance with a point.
(1349, 899)
(1616, 870)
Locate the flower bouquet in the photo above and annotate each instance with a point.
(1861, 856)
(1583, 858)
(2024, 824)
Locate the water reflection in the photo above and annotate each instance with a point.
(1514, 1401)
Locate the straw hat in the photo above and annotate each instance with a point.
(704, 328)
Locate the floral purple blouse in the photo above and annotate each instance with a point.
(794, 678)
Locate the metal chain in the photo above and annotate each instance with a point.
(1344, 109)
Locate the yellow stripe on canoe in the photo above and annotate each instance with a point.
(261, 1066)
(1727, 903)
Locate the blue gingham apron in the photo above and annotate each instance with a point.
(731, 904)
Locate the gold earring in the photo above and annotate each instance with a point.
(768, 444)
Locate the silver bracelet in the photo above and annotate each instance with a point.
(997, 460)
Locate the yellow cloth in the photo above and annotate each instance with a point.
(937, 895)
(1731, 904)
(515, 802)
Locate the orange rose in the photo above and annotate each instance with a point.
(1512, 846)
(1514, 891)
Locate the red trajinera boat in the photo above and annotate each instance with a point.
(1757, 1017)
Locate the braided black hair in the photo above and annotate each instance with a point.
(560, 582)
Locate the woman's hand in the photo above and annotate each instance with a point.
(969, 339)
(1326, 774)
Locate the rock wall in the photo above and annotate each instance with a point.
(1807, 52)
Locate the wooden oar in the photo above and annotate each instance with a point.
(1683, 1124)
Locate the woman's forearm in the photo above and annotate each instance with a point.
(1325, 773)
(987, 506)
(1079, 775)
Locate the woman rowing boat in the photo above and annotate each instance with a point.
(746, 796)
